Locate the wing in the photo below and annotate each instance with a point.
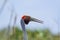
(22, 25)
(24, 30)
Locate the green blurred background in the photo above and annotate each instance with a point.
(17, 34)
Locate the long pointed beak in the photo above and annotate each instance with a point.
(36, 20)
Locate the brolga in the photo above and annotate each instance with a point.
(24, 21)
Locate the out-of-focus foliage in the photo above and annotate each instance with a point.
(32, 35)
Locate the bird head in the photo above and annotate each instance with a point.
(27, 19)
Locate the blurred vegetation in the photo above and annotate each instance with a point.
(32, 35)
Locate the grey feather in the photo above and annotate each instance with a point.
(24, 30)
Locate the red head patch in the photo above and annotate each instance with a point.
(24, 17)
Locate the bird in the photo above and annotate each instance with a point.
(24, 21)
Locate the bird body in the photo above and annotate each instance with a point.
(25, 20)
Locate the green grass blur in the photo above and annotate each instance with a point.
(32, 35)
